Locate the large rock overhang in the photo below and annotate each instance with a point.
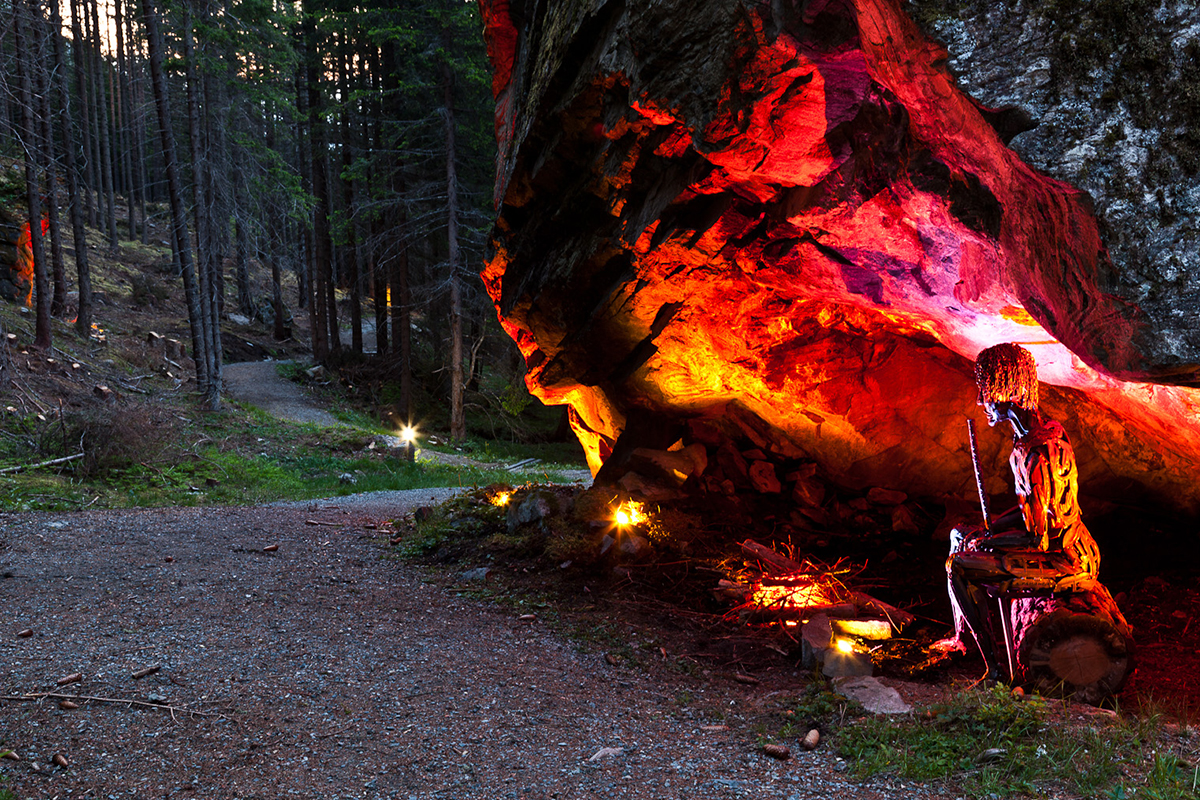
(784, 225)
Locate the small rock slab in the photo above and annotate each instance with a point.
(873, 695)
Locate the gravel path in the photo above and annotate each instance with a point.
(334, 672)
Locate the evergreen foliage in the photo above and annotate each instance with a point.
(312, 140)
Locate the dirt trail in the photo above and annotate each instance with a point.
(260, 384)
(333, 672)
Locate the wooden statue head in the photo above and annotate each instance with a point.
(1007, 373)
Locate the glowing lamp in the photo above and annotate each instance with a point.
(844, 646)
(501, 498)
(408, 436)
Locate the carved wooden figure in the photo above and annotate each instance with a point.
(1026, 584)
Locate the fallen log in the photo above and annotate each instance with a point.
(1073, 643)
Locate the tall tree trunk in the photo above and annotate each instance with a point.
(350, 251)
(183, 245)
(281, 329)
(124, 125)
(379, 282)
(402, 323)
(216, 165)
(458, 424)
(95, 108)
(137, 104)
(102, 117)
(379, 289)
(304, 275)
(83, 274)
(58, 300)
(276, 230)
(322, 250)
(58, 269)
(216, 182)
(396, 255)
(241, 212)
(331, 270)
(8, 128)
(209, 331)
(79, 49)
(22, 35)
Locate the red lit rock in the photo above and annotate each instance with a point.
(784, 228)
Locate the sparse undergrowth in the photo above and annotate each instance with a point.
(125, 412)
(125, 431)
(992, 744)
(539, 525)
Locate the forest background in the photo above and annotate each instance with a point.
(321, 172)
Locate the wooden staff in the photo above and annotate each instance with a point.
(983, 500)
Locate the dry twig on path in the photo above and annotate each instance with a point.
(35, 696)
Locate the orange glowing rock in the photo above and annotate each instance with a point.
(16, 259)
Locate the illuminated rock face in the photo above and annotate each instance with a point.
(1109, 92)
(783, 228)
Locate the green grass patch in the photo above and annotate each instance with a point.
(292, 371)
(454, 531)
